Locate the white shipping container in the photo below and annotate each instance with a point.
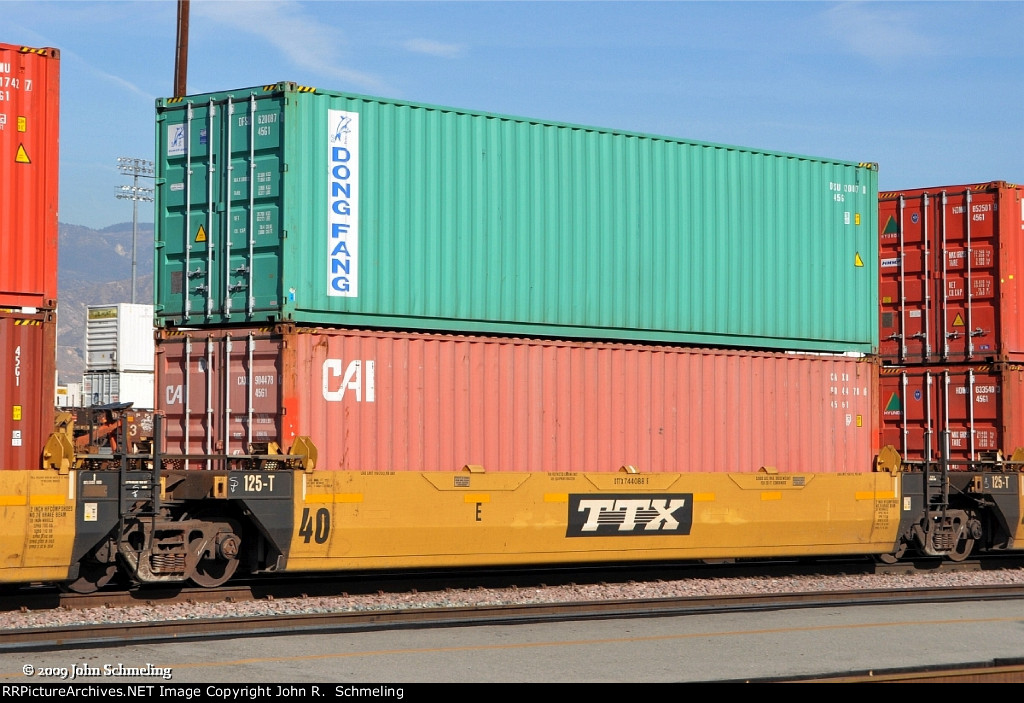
(119, 337)
(106, 387)
(69, 396)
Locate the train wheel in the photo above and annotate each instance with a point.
(216, 571)
(962, 550)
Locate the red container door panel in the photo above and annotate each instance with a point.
(905, 271)
(29, 160)
(966, 241)
(195, 373)
(972, 409)
(408, 402)
(28, 379)
(948, 276)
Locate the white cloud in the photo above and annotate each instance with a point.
(306, 42)
(879, 31)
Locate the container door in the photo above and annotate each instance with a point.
(218, 220)
(966, 277)
(905, 298)
(184, 394)
(253, 218)
(953, 412)
(219, 391)
(251, 374)
(907, 411)
(971, 416)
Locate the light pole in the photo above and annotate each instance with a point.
(136, 168)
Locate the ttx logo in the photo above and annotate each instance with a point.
(630, 515)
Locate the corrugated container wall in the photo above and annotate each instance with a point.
(379, 401)
(29, 160)
(281, 203)
(28, 383)
(119, 337)
(974, 410)
(950, 289)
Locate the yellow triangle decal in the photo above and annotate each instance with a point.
(201, 234)
(857, 261)
(22, 155)
(958, 321)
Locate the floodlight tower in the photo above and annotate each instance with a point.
(136, 168)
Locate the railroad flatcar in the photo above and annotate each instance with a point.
(462, 407)
(139, 513)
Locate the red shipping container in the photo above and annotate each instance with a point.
(28, 386)
(950, 258)
(975, 410)
(382, 401)
(29, 160)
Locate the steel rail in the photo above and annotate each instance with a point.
(100, 635)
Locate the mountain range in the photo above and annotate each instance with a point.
(95, 268)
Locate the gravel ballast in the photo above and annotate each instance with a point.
(692, 587)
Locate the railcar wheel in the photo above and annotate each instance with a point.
(962, 550)
(210, 572)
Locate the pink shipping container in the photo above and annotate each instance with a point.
(29, 141)
(950, 274)
(28, 384)
(381, 401)
(975, 410)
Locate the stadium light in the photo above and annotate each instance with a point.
(136, 168)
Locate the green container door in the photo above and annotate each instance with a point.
(219, 259)
(358, 211)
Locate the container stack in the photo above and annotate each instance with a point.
(427, 288)
(29, 157)
(119, 352)
(951, 336)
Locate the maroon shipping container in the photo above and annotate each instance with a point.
(974, 410)
(29, 140)
(28, 386)
(950, 288)
(381, 401)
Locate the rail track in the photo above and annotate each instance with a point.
(997, 671)
(99, 635)
(44, 598)
(395, 617)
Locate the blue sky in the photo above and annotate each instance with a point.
(932, 91)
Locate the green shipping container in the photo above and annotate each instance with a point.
(287, 203)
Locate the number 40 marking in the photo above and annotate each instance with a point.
(319, 531)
